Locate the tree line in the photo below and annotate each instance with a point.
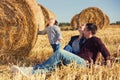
(64, 24)
(68, 24)
(117, 23)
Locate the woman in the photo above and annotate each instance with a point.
(76, 42)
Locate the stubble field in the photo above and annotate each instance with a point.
(42, 51)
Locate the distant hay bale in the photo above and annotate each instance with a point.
(93, 15)
(107, 21)
(19, 20)
(47, 14)
(74, 21)
(52, 15)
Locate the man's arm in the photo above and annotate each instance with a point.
(104, 51)
(108, 62)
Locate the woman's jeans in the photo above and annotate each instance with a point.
(56, 46)
(58, 56)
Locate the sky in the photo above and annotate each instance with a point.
(66, 9)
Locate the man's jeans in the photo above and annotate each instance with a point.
(58, 56)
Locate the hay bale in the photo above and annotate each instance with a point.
(93, 15)
(107, 21)
(41, 19)
(74, 21)
(19, 20)
(47, 15)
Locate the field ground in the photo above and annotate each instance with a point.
(42, 51)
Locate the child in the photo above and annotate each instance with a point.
(54, 34)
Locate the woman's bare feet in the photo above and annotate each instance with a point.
(16, 70)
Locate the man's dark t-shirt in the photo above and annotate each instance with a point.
(91, 48)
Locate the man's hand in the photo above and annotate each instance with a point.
(108, 63)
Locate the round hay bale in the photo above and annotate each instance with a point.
(52, 15)
(74, 21)
(47, 15)
(107, 21)
(92, 15)
(41, 19)
(19, 20)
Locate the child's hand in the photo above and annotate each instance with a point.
(60, 40)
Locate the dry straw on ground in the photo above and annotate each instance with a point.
(91, 15)
(19, 20)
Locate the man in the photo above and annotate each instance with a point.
(76, 42)
(93, 46)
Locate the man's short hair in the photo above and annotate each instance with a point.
(92, 27)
